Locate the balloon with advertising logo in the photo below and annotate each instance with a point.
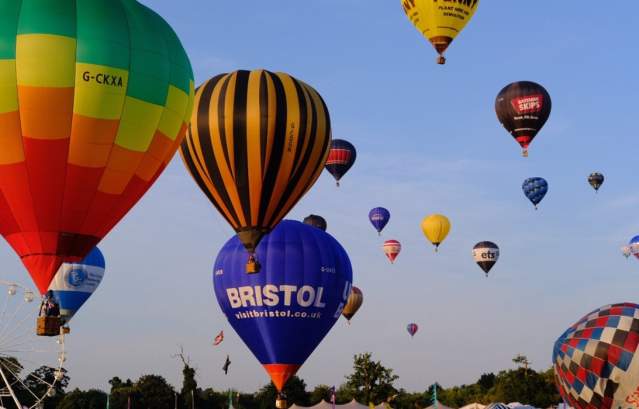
(258, 141)
(595, 180)
(341, 158)
(316, 221)
(486, 254)
(379, 218)
(392, 248)
(439, 23)
(283, 313)
(523, 108)
(412, 329)
(74, 283)
(436, 227)
(595, 361)
(355, 300)
(535, 189)
(95, 97)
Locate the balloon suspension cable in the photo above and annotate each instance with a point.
(349, 322)
(536, 207)
(437, 248)
(337, 183)
(524, 153)
(252, 265)
(379, 233)
(441, 60)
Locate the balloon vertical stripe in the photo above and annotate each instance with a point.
(260, 142)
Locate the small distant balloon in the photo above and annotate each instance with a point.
(436, 227)
(412, 329)
(355, 300)
(535, 189)
(316, 221)
(486, 254)
(379, 218)
(596, 179)
(392, 248)
(341, 157)
(626, 251)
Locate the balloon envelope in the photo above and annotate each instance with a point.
(595, 360)
(436, 227)
(595, 180)
(379, 218)
(412, 329)
(96, 96)
(438, 22)
(535, 189)
(523, 108)
(257, 143)
(634, 246)
(316, 221)
(341, 158)
(285, 311)
(392, 248)
(74, 283)
(486, 254)
(355, 300)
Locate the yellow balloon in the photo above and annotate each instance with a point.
(440, 21)
(436, 228)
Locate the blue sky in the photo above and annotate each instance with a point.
(428, 141)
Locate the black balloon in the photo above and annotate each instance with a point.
(341, 158)
(316, 221)
(596, 179)
(523, 108)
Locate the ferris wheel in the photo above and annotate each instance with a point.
(30, 365)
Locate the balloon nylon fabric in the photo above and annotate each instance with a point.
(95, 97)
(535, 189)
(379, 218)
(257, 143)
(595, 360)
(341, 158)
(74, 283)
(283, 312)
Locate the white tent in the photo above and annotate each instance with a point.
(474, 406)
(439, 405)
(327, 405)
(518, 405)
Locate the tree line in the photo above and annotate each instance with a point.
(370, 381)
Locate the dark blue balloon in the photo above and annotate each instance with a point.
(283, 312)
(379, 217)
(535, 189)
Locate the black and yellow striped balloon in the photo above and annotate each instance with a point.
(257, 142)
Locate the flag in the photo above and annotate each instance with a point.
(218, 339)
(225, 368)
(333, 396)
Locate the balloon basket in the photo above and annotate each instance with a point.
(524, 153)
(441, 60)
(280, 403)
(48, 327)
(252, 266)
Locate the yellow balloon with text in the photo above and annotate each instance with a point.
(436, 228)
(440, 21)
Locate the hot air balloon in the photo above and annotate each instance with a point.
(412, 329)
(379, 218)
(436, 227)
(626, 251)
(95, 97)
(535, 189)
(439, 23)
(596, 179)
(257, 143)
(486, 254)
(355, 300)
(595, 360)
(340, 158)
(523, 108)
(392, 249)
(284, 312)
(634, 246)
(74, 283)
(316, 221)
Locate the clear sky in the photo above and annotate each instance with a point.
(428, 141)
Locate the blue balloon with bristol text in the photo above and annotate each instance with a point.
(283, 312)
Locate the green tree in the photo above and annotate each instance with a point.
(370, 381)
(295, 391)
(154, 393)
(526, 386)
(38, 383)
(321, 392)
(189, 392)
(77, 399)
(486, 381)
